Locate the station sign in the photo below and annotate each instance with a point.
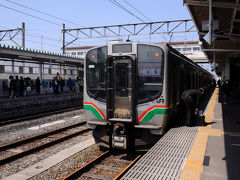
(207, 37)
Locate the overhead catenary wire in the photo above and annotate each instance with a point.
(30, 15)
(137, 10)
(40, 36)
(43, 37)
(47, 14)
(125, 9)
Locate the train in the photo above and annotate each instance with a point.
(132, 91)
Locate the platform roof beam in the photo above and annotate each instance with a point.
(214, 4)
(16, 31)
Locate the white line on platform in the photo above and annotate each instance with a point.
(75, 117)
(235, 144)
(46, 125)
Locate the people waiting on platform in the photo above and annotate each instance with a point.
(25, 86)
(190, 100)
(70, 84)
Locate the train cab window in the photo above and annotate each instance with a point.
(150, 73)
(96, 70)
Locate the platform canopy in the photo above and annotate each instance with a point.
(37, 56)
(225, 44)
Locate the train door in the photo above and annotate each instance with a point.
(121, 107)
(120, 84)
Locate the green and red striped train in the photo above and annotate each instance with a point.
(132, 89)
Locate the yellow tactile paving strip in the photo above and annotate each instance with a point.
(194, 164)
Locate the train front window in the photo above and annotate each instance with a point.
(96, 73)
(150, 73)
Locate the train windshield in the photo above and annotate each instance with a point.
(96, 73)
(150, 72)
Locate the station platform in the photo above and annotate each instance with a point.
(210, 152)
(32, 104)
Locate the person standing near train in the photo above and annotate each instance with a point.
(190, 99)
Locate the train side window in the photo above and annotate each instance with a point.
(150, 72)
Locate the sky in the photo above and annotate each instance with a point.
(43, 31)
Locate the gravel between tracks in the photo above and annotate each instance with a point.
(13, 132)
(20, 131)
(69, 165)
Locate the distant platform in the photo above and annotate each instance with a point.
(33, 104)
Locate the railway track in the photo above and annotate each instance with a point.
(108, 165)
(21, 119)
(19, 149)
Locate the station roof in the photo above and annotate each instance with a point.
(26, 54)
(226, 46)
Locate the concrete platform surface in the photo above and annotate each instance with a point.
(222, 155)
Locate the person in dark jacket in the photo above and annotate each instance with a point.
(17, 84)
(70, 84)
(55, 85)
(190, 99)
(12, 87)
(62, 84)
(37, 85)
(21, 86)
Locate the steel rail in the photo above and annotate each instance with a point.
(84, 168)
(20, 142)
(3, 123)
(127, 168)
(40, 147)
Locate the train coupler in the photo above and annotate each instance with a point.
(119, 142)
(119, 137)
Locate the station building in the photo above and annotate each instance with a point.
(78, 51)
